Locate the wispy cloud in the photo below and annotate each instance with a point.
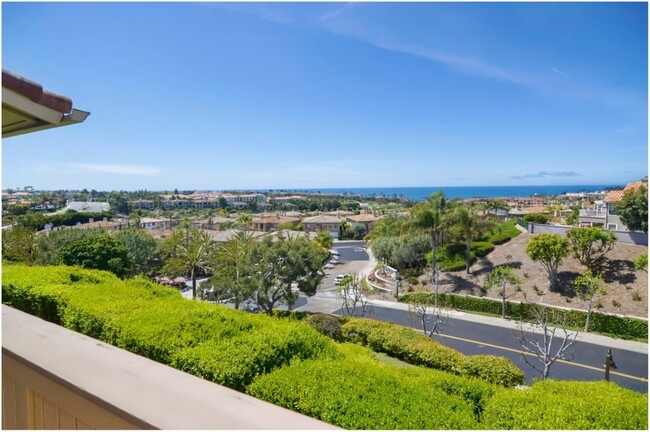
(116, 169)
(543, 174)
(336, 12)
(557, 71)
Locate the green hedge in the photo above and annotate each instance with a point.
(286, 362)
(613, 325)
(327, 325)
(360, 393)
(452, 256)
(503, 233)
(226, 346)
(408, 345)
(567, 405)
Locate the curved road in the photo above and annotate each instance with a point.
(480, 338)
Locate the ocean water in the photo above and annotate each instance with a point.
(420, 193)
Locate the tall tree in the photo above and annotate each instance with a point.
(192, 255)
(232, 266)
(590, 244)
(633, 209)
(500, 277)
(19, 244)
(466, 217)
(539, 339)
(280, 263)
(100, 253)
(144, 252)
(549, 250)
(587, 286)
(430, 216)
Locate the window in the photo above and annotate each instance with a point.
(610, 209)
(612, 226)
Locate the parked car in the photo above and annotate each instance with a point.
(339, 278)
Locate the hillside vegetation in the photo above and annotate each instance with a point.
(289, 363)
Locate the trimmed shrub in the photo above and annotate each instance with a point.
(408, 345)
(452, 257)
(553, 404)
(327, 325)
(503, 233)
(623, 327)
(480, 249)
(538, 218)
(361, 394)
(227, 346)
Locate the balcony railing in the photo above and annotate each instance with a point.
(593, 213)
(54, 378)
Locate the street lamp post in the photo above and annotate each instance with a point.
(609, 363)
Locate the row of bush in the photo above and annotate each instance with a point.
(622, 327)
(408, 345)
(286, 362)
(452, 257)
(217, 343)
(362, 393)
(502, 233)
(37, 221)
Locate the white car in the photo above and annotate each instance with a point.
(338, 279)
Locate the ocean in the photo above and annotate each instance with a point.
(420, 193)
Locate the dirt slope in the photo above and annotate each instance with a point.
(625, 285)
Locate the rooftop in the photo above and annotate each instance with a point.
(27, 107)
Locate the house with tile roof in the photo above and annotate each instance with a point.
(612, 220)
(272, 222)
(331, 224)
(367, 219)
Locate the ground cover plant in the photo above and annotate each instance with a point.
(287, 362)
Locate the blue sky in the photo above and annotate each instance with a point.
(263, 95)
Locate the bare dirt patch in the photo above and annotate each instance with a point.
(627, 288)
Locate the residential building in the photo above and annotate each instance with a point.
(367, 219)
(331, 224)
(153, 224)
(612, 220)
(143, 204)
(272, 222)
(594, 216)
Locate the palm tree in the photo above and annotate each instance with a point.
(230, 262)
(431, 216)
(245, 220)
(466, 216)
(190, 256)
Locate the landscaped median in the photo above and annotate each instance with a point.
(610, 325)
(287, 362)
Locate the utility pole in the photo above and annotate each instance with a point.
(609, 363)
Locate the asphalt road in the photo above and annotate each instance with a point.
(587, 365)
(352, 259)
(472, 338)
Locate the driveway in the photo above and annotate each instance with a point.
(352, 258)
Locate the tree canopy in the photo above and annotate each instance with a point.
(633, 209)
(549, 250)
(100, 253)
(590, 244)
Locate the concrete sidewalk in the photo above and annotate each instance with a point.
(328, 302)
(595, 339)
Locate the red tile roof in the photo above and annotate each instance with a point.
(34, 92)
(617, 195)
